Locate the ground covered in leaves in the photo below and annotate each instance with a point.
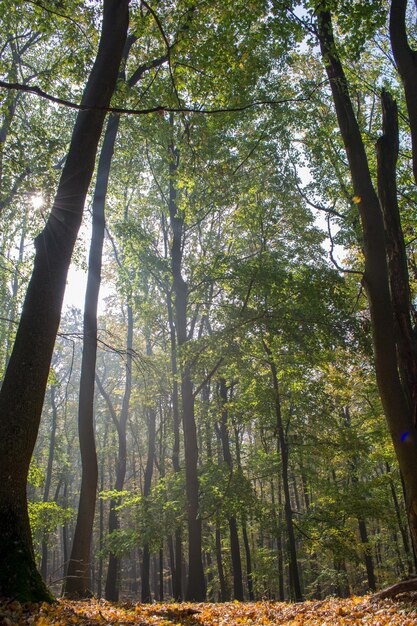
(355, 610)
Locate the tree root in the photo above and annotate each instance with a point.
(405, 586)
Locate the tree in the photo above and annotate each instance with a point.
(386, 334)
(23, 388)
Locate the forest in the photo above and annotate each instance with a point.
(228, 413)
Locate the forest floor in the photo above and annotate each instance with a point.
(354, 610)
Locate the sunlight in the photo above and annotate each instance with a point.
(37, 201)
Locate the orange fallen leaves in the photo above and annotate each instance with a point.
(332, 611)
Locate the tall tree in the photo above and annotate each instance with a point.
(397, 407)
(23, 389)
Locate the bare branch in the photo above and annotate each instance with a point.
(156, 109)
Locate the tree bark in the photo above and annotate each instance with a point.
(406, 61)
(23, 390)
(394, 400)
(387, 148)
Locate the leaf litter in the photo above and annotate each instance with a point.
(331, 611)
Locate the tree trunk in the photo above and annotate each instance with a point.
(369, 565)
(397, 409)
(387, 153)
(112, 583)
(234, 537)
(48, 478)
(177, 572)
(403, 529)
(147, 483)
(248, 561)
(77, 583)
(161, 575)
(295, 583)
(196, 583)
(224, 593)
(23, 390)
(406, 60)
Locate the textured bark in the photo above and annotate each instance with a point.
(23, 390)
(387, 155)
(406, 61)
(397, 409)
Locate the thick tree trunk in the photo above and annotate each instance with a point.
(406, 60)
(23, 390)
(397, 409)
(387, 154)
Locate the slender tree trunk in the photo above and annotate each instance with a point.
(249, 580)
(78, 583)
(177, 572)
(196, 582)
(112, 582)
(401, 527)
(147, 483)
(161, 575)
(397, 409)
(224, 592)
(283, 447)
(48, 478)
(369, 564)
(23, 390)
(234, 537)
